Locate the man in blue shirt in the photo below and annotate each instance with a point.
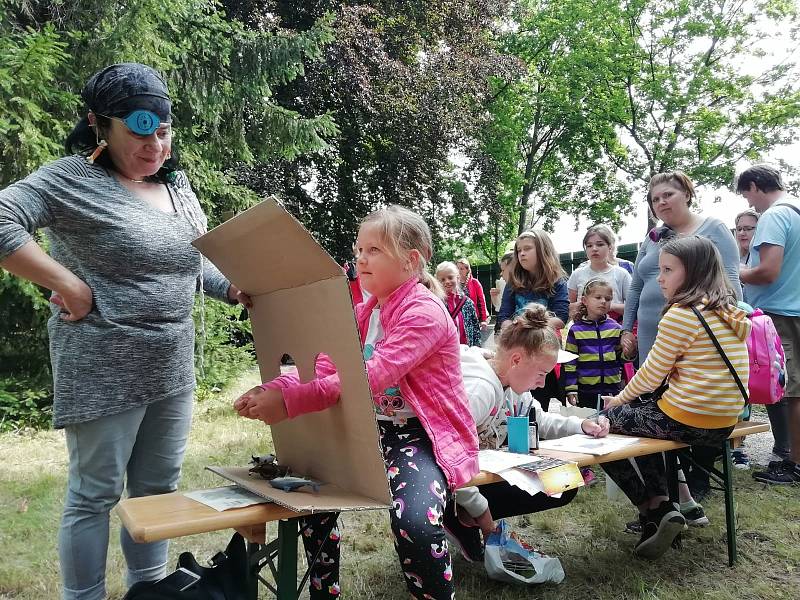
(772, 278)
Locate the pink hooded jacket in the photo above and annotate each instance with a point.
(419, 353)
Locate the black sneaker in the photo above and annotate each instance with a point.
(662, 526)
(784, 473)
(463, 538)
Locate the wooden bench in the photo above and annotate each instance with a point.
(167, 516)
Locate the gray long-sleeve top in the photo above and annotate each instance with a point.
(645, 301)
(136, 346)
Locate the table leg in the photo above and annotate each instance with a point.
(287, 560)
(730, 515)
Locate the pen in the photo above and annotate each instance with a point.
(597, 415)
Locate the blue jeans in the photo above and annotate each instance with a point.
(146, 444)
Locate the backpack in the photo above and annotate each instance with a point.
(767, 360)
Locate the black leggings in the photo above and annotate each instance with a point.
(419, 494)
(646, 419)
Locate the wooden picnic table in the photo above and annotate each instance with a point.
(167, 516)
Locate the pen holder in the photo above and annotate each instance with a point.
(518, 435)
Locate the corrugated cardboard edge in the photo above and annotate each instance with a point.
(329, 498)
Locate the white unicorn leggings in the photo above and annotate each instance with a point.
(419, 495)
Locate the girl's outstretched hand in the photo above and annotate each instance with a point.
(264, 405)
(612, 401)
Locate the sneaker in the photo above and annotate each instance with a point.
(465, 539)
(661, 527)
(780, 452)
(740, 460)
(589, 478)
(695, 516)
(784, 473)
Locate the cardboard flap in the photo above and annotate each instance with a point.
(272, 251)
(329, 498)
(302, 307)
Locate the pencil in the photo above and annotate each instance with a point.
(597, 415)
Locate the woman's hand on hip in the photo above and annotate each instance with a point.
(263, 405)
(75, 301)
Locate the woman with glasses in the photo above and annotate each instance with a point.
(746, 222)
(120, 218)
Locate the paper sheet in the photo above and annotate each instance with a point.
(227, 497)
(497, 461)
(586, 444)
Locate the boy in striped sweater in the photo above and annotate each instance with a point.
(595, 338)
(703, 400)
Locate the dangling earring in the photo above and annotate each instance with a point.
(101, 145)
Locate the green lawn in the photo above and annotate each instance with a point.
(587, 535)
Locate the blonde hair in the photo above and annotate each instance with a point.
(430, 282)
(746, 213)
(705, 280)
(403, 231)
(452, 268)
(506, 258)
(595, 282)
(530, 330)
(548, 270)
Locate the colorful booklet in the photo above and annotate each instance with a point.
(555, 475)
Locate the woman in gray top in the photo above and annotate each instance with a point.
(669, 198)
(119, 217)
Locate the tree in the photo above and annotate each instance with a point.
(545, 140)
(221, 73)
(405, 83)
(699, 92)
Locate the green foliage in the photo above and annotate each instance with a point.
(25, 403)
(221, 72)
(224, 345)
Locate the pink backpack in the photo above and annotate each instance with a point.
(767, 361)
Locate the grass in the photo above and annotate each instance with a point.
(587, 534)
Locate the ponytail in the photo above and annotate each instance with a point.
(531, 331)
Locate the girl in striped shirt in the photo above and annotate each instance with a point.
(702, 401)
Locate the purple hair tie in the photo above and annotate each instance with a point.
(663, 233)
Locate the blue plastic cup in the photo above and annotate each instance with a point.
(518, 441)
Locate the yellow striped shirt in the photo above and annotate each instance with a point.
(702, 392)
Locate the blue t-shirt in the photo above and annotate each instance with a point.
(779, 226)
(514, 301)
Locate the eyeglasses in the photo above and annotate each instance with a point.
(744, 228)
(141, 122)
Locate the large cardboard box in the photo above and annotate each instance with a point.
(302, 307)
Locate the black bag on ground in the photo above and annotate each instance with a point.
(226, 580)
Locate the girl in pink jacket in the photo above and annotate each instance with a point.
(428, 436)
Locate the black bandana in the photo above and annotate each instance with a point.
(119, 89)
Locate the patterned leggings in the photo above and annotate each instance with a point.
(646, 419)
(419, 494)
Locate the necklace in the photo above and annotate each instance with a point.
(135, 180)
